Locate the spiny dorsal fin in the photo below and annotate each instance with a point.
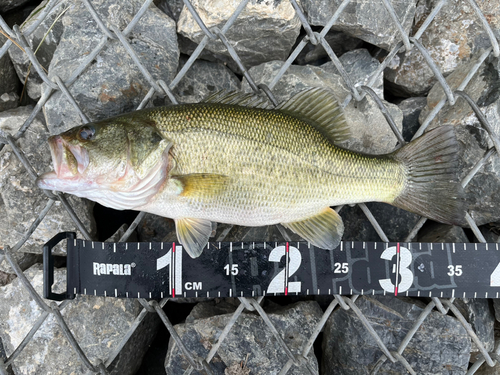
(239, 98)
(319, 108)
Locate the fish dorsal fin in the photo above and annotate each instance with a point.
(319, 108)
(323, 230)
(239, 98)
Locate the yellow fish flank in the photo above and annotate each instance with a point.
(233, 160)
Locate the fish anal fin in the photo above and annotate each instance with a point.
(320, 109)
(193, 234)
(198, 185)
(324, 230)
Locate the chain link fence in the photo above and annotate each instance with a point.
(17, 39)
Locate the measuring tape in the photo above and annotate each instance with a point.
(249, 269)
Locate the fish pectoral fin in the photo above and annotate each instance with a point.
(201, 185)
(193, 234)
(324, 230)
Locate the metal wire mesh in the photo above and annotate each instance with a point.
(163, 88)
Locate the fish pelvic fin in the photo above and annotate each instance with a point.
(319, 108)
(432, 187)
(193, 234)
(323, 230)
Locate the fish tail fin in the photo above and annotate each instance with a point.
(432, 188)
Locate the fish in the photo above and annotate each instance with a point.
(233, 159)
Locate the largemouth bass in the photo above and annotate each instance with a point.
(231, 159)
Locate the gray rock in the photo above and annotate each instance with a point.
(362, 19)
(496, 307)
(349, 349)
(112, 84)
(395, 222)
(120, 232)
(7, 5)
(411, 109)
(6, 278)
(481, 316)
(370, 132)
(482, 193)
(8, 101)
(487, 370)
(9, 82)
(171, 8)
(156, 228)
(249, 338)
(215, 307)
(264, 30)
(491, 232)
(99, 324)
(45, 49)
(437, 232)
(203, 79)
(338, 41)
(21, 201)
(453, 37)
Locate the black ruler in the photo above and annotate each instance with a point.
(249, 269)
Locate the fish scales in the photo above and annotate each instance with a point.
(232, 160)
(280, 166)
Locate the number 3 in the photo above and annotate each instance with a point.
(404, 272)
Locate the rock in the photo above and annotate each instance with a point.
(154, 228)
(264, 30)
(395, 222)
(377, 138)
(10, 84)
(45, 49)
(7, 5)
(362, 19)
(171, 8)
(99, 324)
(483, 89)
(487, 370)
(203, 79)
(452, 38)
(249, 338)
(21, 201)
(496, 308)
(348, 348)
(112, 84)
(480, 314)
(491, 232)
(6, 278)
(411, 109)
(212, 308)
(8, 101)
(120, 232)
(338, 41)
(437, 232)
(482, 192)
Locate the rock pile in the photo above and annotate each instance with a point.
(263, 36)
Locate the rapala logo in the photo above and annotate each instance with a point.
(113, 269)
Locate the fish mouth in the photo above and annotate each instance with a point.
(68, 160)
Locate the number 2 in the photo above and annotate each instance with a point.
(277, 284)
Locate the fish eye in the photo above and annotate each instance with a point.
(87, 133)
